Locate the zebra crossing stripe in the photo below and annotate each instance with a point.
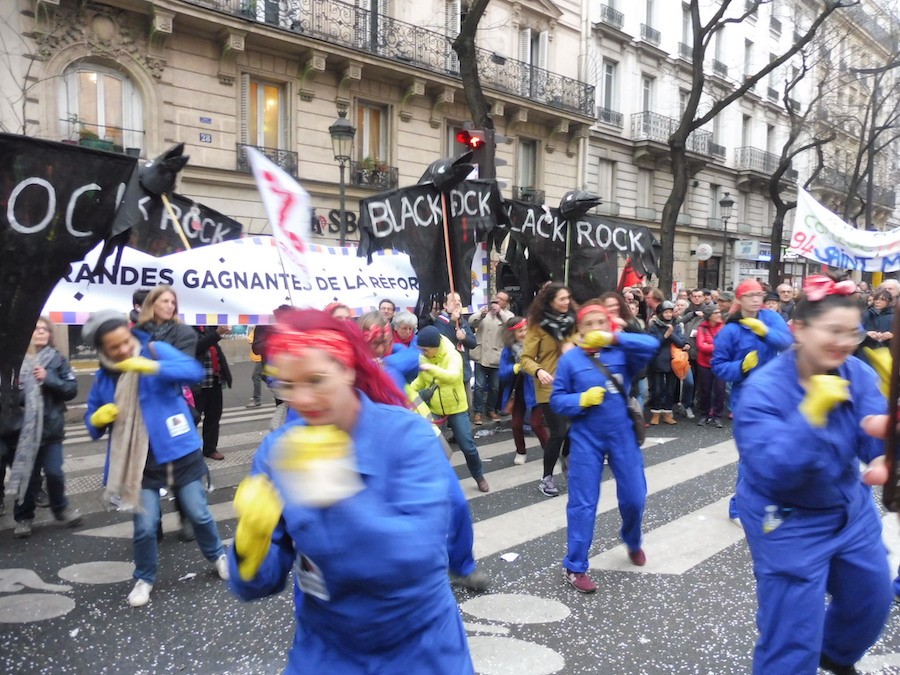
(170, 523)
(505, 532)
(679, 545)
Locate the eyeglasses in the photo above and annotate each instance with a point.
(316, 383)
(41, 329)
(838, 336)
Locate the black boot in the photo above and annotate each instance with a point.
(704, 421)
(826, 663)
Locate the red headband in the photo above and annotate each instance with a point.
(521, 324)
(296, 342)
(588, 309)
(818, 286)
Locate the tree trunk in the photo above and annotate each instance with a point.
(668, 226)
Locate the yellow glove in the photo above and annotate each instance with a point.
(823, 393)
(597, 339)
(138, 364)
(755, 326)
(258, 507)
(516, 368)
(750, 361)
(881, 362)
(593, 396)
(104, 415)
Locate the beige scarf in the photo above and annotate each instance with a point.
(129, 444)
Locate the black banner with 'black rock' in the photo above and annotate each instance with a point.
(411, 220)
(537, 249)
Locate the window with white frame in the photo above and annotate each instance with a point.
(526, 166)
(645, 180)
(647, 92)
(264, 113)
(452, 26)
(687, 27)
(746, 131)
(683, 96)
(533, 47)
(606, 180)
(748, 57)
(372, 121)
(609, 93)
(100, 102)
(649, 7)
(770, 138)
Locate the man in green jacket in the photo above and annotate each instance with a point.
(440, 384)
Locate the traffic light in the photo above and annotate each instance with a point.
(480, 142)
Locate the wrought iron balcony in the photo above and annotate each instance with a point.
(376, 176)
(685, 51)
(717, 151)
(609, 116)
(358, 28)
(528, 194)
(884, 196)
(751, 5)
(841, 182)
(753, 159)
(285, 159)
(775, 25)
(772, 93)
(719, 68)
(650, 35)
(610, 16)
(650, 126)
(795, 104)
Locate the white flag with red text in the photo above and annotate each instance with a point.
(288, 207)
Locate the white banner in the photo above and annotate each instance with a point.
(240, 282)
(821, 235)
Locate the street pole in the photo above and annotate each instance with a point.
(343, 206)
(724, 250)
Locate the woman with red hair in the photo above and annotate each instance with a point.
(591, 388)
(361, 522)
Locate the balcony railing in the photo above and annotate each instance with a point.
(650, 126)
(715, 224)
(610, 16)
(719, 68)
(609, 116)
(608, 209)
(685, 51)
(650, 35)
(772, 93)
(683, 219)
(285, 159)
(753, 159)
(645, 213)
(528, 194)
(775, 25)
(379, 34)
(717, 151)
(378, 177)
(840, 181)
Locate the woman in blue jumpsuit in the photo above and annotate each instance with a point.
(601, 429)
(370, 569)
(810, 521)
(752, 337)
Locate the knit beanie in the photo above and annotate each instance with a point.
(429, 336)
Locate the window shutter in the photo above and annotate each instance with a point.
(525, 45)
(245, 110)
(543, 48)
(452, 26)
(284, 119)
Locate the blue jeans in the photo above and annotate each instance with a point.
(459, 424)
(687, 390)
(193, 503)
(50, 459)
(486, 378)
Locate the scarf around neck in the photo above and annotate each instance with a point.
(32, 424)
(129, 442)
(559, 326)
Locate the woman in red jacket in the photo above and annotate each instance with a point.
(710, 389)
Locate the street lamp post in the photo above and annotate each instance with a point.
(725, 206)
(342, 133)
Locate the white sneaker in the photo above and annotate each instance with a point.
(520, 458)
(140, 594)
(222, 567)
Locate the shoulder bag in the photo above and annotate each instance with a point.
(631, 403)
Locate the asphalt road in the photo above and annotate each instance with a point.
(690, 610)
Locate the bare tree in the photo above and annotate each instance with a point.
(464, 46)
(800, 141)
(692, 119)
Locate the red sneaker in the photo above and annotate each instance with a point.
(638, 557)
(580, 581)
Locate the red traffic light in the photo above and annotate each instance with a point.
(471, 138)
